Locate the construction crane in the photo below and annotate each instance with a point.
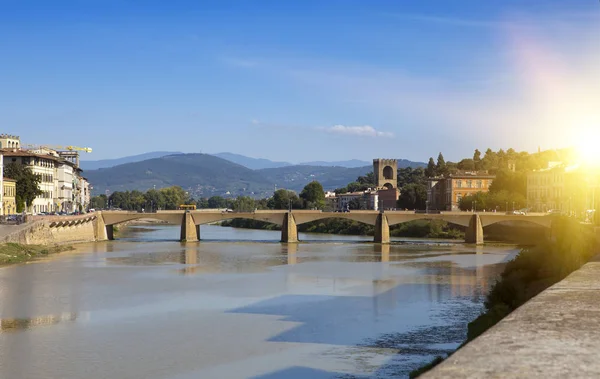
(66, 148)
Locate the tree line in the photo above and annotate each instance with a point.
(170, 198)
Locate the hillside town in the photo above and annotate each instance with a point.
(62, 188)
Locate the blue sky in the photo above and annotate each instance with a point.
(300, 80)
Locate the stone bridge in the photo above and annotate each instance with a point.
(190, 221)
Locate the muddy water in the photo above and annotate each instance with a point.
(238, 305)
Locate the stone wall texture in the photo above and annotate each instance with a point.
(40, 233)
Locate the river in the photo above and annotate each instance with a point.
(238, 304)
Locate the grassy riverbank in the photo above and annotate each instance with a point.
(11, 253)
(531, 272)
(414, 229)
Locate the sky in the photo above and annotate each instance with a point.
(300, 80)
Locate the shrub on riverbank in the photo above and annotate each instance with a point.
(531, 272)
(416, 229)
(16, 253)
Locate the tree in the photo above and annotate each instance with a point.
(430, 171)
(174, 196)
(408, 175)
(217, 202)
(368, 179)
(313, 195)
(413, 196)
(440, 167)
(99, 202)
(282, 197)
(154, 200)
(28, 184)
(355, 204)
(466, 164)
(244, 204)
(477, 159)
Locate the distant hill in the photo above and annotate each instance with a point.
(352, 163)
(201, 174)
(261, 163)
(103, 163)
(252, 163)
(296, 177)
(205, 175)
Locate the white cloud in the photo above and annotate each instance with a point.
(363, 131)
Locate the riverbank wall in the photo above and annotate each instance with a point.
(51, 231)
(554, 335)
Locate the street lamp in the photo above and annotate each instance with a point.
(426, 206)
(474, 206)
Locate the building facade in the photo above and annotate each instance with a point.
(368, 199)
(8, 141)
(63, 188)
(9, 194)
(570, 189)
(444, 193)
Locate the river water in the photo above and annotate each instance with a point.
(240, 305)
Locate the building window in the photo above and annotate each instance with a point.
(459, 184)
(458, 197)
(469, 184)
(479, 184)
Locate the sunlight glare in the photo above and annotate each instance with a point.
(588, 145)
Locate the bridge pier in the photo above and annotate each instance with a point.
(189, 229)
(289, 231)
(474, 232)
(100, 228)
(382, 229)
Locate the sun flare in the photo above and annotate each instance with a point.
(588, 145)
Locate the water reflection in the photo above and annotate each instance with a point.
(13, 324)
(349, 308)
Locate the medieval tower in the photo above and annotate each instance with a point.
(385, 172)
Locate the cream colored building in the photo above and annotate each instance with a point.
(43, 166)
(8, 141)
(566, 188)
(9, 193)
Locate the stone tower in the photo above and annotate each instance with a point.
(385, 172)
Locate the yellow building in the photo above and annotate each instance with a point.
(9, 205)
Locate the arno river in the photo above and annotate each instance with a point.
(240, 305)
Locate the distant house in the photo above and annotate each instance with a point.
(445, 192)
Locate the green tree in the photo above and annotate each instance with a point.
(430, 171)
(282, 197)
(154, 199)
(28, 184)
(99, 202)
(356, 204)
(477, 159)
(313, 195)
(217, 202)
(466, 164)
(244, 204)
(368, 179)
(202, 203)
(174, 196)
(440, 167)
(408, 175)
(413, 196)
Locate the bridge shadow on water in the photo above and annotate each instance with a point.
(409, 323)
